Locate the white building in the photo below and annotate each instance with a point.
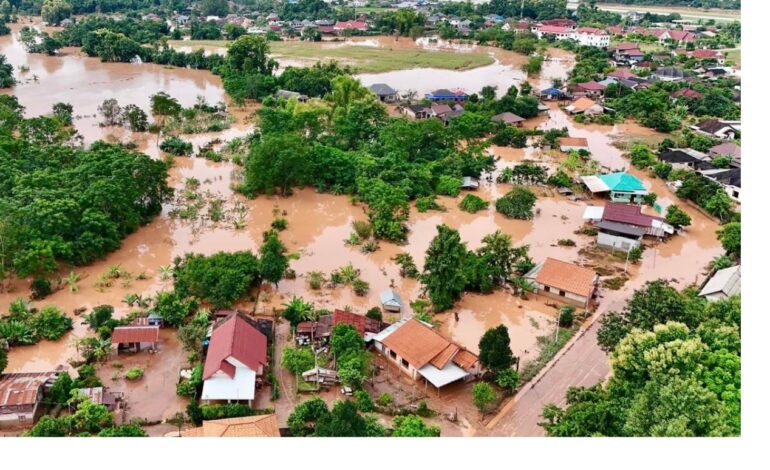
(724, 283)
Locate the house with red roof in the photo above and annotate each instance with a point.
(686, 93)
(622, 73)
(341, 26)
(680, 37)
(615, 30)
(592, 89)
(236, 357)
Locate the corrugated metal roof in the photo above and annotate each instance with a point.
(18, 389)
(235, 337)
(135, 334)
(621, 228)
(726, 280)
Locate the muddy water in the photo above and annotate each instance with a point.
(506, 70)
(86, 82)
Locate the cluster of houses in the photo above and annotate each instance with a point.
(623, 226)
(726, 173)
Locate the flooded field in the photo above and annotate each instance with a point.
(319, 223)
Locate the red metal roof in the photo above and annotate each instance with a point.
(687, 93)
(20, 389)
(238, 338)
(621, 73)
(590, 86)
(627, 213)
(135, 334)
(548, 29)
(350, 318)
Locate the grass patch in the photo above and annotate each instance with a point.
(733, 56)
(548, 349)
(365, 59)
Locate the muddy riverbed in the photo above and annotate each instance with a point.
(318, 223)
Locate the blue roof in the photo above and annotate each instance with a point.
(622, 182)
(551, 91)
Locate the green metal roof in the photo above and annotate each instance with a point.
(622, 182)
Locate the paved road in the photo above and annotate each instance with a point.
(584, 364)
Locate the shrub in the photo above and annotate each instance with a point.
(587, 230)
(362, 228)
(472, 203)
(51, 323)
(423, 410)
(134, 373)
(635, 254)
(566, 316)
(517, 204)
(385, 400)
(426, 203)
(448, 185)
(227, 410)
(406, 265)
(566, 242)
(662, 170)
(41, 288)
(560, 179)
(280, 224)
(176, 146)
(374, 313)
(364, 401)
(360, 287)
(315, 279)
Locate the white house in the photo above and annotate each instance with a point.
(619, 236)
(236, 356)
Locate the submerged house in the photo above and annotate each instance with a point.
(622, 186)
(618, 236)
(509, 119)
(585, 106)
(573, 143)
(21, 395)
(236, 356)
(630, 215)
(391, 301)
(724, 283)
(135, 336)
(566, 282)
(419, 351)
(447, 95)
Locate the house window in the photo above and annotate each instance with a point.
(562, 293)
(404, 363)
(392, 354)
(547, 288)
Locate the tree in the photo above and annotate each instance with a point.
(443, 276)
(297, 360)
(346, 340)
(642, 156)
(343, 421)
(173, 308)
(51, 323)
(6, 73)
(273, 261)
(111, 112)
(495, 349)
(249, 55)
(297, 310)
(302, 421)
(278, 161)
(161, 104)
(48, 426)
(730, 236)
(483, 396)
(517, 204)
(54, 11)
(508, 380)
(214, 8)
(656, 302)
(99, 316)
(135, 118)
(413, 426)
(220, 279)
(124, 430)
(677, 217)
(63, 111)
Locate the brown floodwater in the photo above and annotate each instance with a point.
(318, 225)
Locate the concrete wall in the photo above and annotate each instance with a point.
(568, 297)
(614, 241)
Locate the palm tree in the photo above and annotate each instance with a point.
(131, 299)
(72, 281)
(166, 272)
(297, 310)
(522, 287)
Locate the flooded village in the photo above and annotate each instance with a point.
(316, 233)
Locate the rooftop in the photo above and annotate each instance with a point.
(565, 276)
(19, 389)
(135, 334)
(246, 426)
(235, 336)
(727, 281)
